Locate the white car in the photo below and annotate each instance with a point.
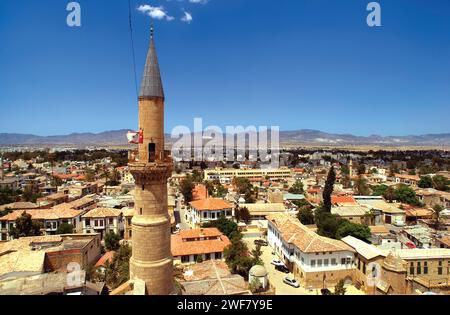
(276, 262)
(291, 282)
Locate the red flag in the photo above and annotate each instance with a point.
(135, 137)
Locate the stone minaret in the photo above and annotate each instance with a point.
(152, 261)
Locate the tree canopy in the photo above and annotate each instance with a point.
(328, 190)
(25, 227)
(112, 241)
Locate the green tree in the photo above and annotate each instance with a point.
(257, 253)
(112, 241)
(90, 175)
(390, 194)
(8, 195)
(65, 228)
(379, 190)
(25, 227)
(224, 225)
(209, 187)
(361, 186)
(305, 215)
(359, 231)
(186, 187)
(340, 289)
(221, 191)
(243, 214)
(199, 259)
(437, 215)
(328, 190)
(393, 169)
(361, 170)
(406, 194)
(237, 257)
(197, 177)
(425, 182)
(327, 223)
(297, 188)
(441, 183)
(118, 270)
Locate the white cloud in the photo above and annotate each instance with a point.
(187, 17)
(157, 13)
(199, 1)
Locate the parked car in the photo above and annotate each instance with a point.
(277, 262)
(283, 269)
(291, 282)
(261, 243)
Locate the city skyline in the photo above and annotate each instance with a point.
(231, 64)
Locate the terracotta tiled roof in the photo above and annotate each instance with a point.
(103, 213)
(303, 238)
(207, 232)
(343, 200)
(107, 257)
(43, 214)
(210, 204)
(184, 248)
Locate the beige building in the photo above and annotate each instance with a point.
(368, 258)
(103, 221)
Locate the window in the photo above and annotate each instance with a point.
(440, 268)
(205, 215)
(349, 260)
(364, 268)
(218, 255)
(425, 268)
(326, 262)
(319, 263)
(342, 261)
(419, 268)
(411, 268)
(130, 233)
(185, 259)
(140, 211)
(96, 223)
(313, 263)
(111, 221)
(208, 257)
(333, 261)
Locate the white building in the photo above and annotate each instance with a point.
(210, 209)
(316, 261)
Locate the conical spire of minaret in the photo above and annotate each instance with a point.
(151, 85)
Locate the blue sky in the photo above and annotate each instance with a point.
(298, 64)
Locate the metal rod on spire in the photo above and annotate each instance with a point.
(152, 29)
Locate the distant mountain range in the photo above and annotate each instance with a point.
(307, 137)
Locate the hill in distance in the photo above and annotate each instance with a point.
(305, 136)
